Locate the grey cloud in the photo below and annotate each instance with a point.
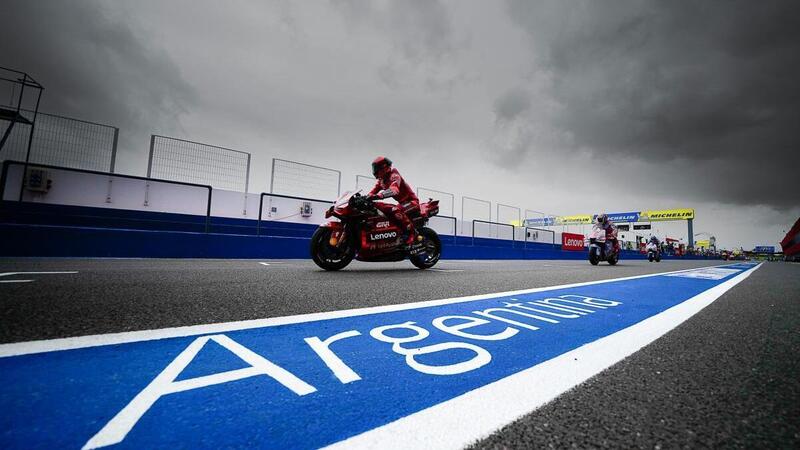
(422, 37)
(94, 66)
(659, 81)
(511, 104)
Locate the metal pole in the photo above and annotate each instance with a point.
(691, 236)
(30, 138)
(272, 177)
(114, 149)
(150, 157)
(247, 179)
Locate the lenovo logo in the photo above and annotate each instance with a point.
(570, 241)
(379, 236)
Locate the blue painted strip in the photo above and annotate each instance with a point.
(64, 398)
(57, 241)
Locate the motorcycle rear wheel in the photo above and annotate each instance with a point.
(433, 250)
(326, 256)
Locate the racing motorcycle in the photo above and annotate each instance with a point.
(600, 250)
(653, 254)
(361, 231)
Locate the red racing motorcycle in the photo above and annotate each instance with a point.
(361, 231)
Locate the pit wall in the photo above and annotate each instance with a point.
(35, 230)
(95, 214)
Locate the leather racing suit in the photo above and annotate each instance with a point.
(392, 185)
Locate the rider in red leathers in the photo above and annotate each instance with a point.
(390, 184)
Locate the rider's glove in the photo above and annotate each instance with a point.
(373, 197)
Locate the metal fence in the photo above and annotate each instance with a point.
(364, 183)
(474, 208)
(446, 200)
(63, 141)
(194, 162)
(304, 180)
(508, 214)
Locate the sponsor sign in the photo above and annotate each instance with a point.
(624, 217)
(365, 378)
(764, 249)
(702, 244)
(539, 222)
(667, 214)
(641, 227)
(580, 219)
(572, 241)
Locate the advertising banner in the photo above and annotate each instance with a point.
(624, 217)
(580, 219)
(702, 244)
(539, 222)
(572, 242)
(667, 214)
(764, 249)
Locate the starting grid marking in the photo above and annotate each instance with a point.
(437, 374)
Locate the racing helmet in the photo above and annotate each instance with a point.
(380, 165)
(601, 218)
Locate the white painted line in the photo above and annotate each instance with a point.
(264, 264)
(34, 273)
(510, 398)
(24, 348)
(446, 270)
(8, 274)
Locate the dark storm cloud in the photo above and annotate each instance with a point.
(93, 66)
(714, 83)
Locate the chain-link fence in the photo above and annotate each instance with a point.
(304, 180)
(193, 162)
(446, 200)
(62, 141)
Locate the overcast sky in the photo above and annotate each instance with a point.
(566, 107)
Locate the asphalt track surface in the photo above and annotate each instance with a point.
(727, 377)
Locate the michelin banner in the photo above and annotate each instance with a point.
(627, 217)
(667, 214)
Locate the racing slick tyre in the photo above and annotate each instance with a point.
(658, 258)
(432, 250)
(650, 257)
(594, 258)
(613, 260)
(327, 256)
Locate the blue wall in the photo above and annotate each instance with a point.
(28, 229)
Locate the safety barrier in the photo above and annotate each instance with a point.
(13, 179)
(513, 229)
(290, 197)
(553, 233)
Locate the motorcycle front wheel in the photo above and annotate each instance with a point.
(613, 260)
(594, 256)
(432, 250)
(327, 256)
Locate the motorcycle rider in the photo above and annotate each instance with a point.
(389, 184)
(654, 244)
(603, 222)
